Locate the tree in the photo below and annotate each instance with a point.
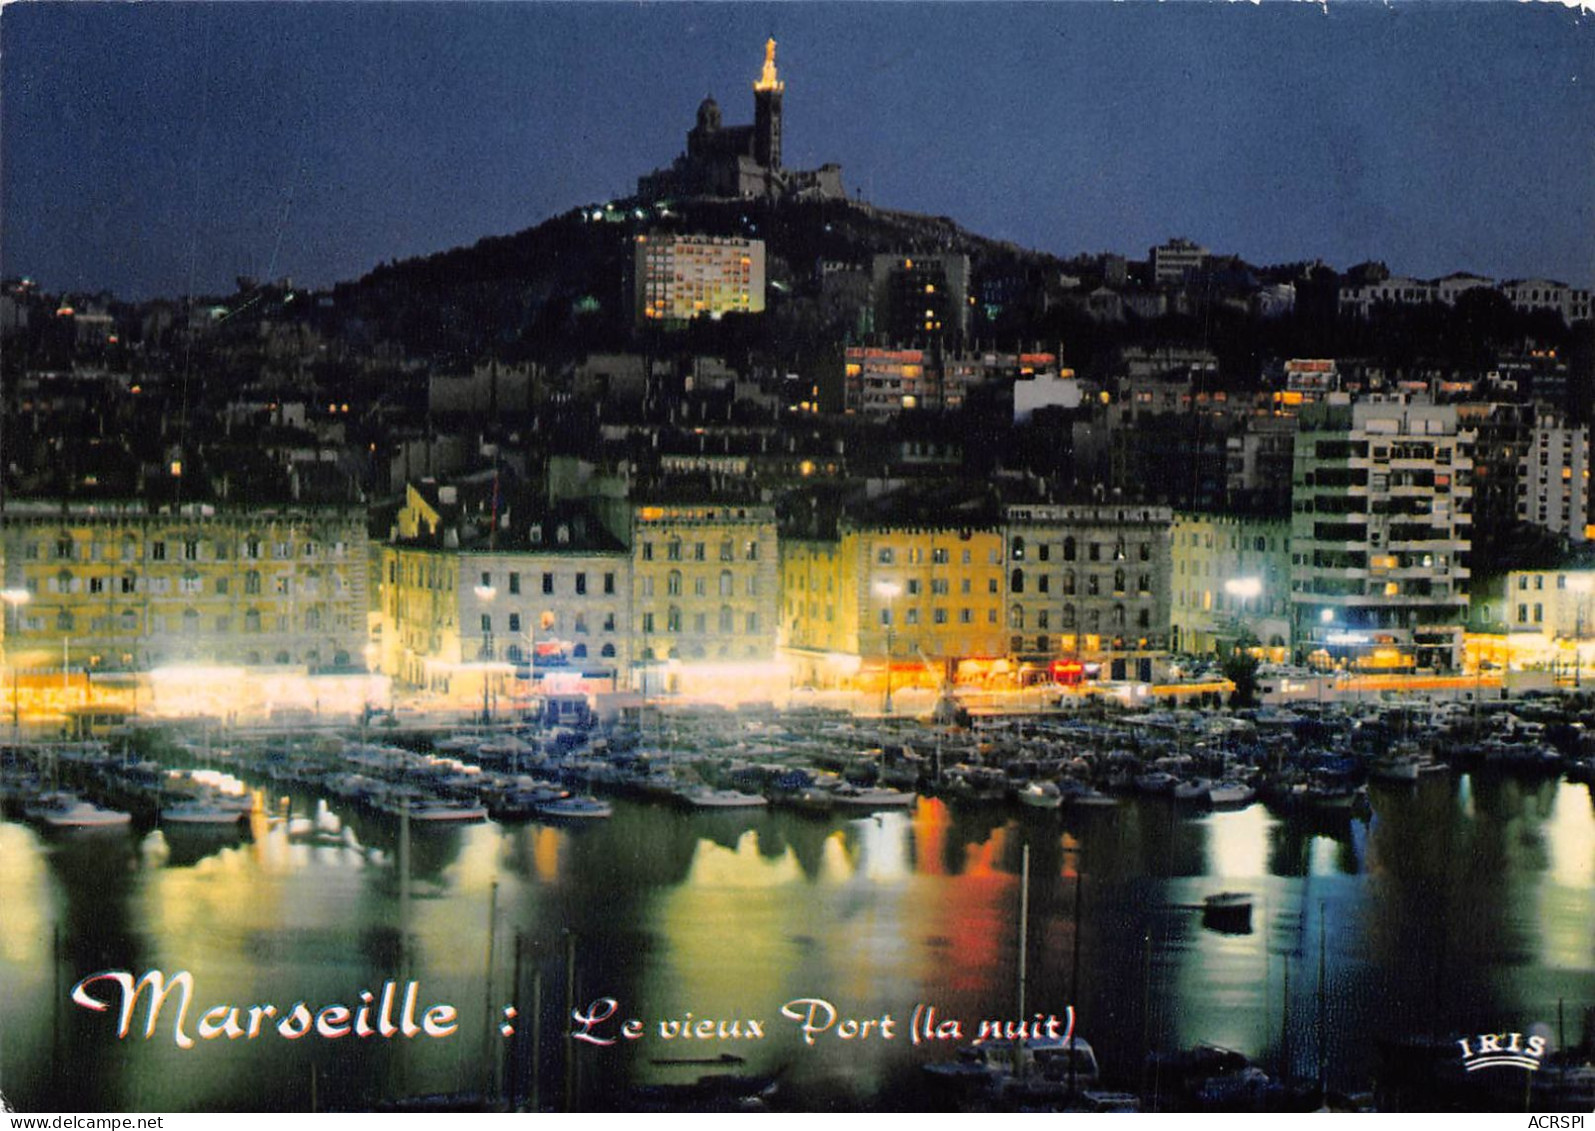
(1239, 666)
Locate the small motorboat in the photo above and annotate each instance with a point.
(62, 810)
(703, 797)
(575, 808)
(200, 811)
(1230, 794)
(1041, 795)
(863, 797)
(1228, 912)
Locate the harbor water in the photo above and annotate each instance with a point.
(1462, 904)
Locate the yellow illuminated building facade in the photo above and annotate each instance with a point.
(115, 588)
(930, 599)
(420, 615)
(705, 589)
(681, 277)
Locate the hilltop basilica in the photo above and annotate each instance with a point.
(741, 161)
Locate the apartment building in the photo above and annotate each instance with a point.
(1553, 482)
(121, 587)
(1381, 528)
(920, 597)
(705, 583)
(682, 277)
(1088, 583)
(543, 600)
(1230, 582)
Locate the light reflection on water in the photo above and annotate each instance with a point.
(1461, 904)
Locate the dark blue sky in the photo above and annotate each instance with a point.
(159, 148)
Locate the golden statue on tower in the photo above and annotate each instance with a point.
(767, 80)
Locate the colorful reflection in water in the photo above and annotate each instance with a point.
(1461, 904)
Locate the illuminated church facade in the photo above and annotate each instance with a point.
(741, 161)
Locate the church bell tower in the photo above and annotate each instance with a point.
(767, 112)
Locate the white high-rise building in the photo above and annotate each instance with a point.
(1381, 526)
(1553, 487)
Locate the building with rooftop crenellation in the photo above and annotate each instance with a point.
(741, 161)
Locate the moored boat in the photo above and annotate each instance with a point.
(865, 797)
(203, 811)
(1394, 768)
(1228, 912)
(1080, 795)
(703, 797)
(575, 808)
(1041, 795)
(1230, 794)
(1035, 1067)
(1156, 782)
(431, 810)
(61, 810)
(1192, 790)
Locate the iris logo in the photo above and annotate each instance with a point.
(1501, 1050)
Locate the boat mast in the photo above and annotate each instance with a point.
(1074, 974)
(1024, 922)
(1323, 1058)
(1024, 929)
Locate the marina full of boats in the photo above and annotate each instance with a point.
(1297, 762)
(1327, 768)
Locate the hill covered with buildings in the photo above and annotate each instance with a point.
(743, 421)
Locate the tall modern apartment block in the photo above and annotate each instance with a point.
(681, 277)
(1380, 534)
(1553, 489)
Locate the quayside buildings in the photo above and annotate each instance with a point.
(820, 444)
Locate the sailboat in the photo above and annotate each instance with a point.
(1029, 1066)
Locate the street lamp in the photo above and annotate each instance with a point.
(529, 636)
(14, 599)
(1243, 589)
(485, 593)
(1582, 584)
(1326, 618)
(889, 590)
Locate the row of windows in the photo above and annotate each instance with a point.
(282, 585)
(675, 548)
(127, 622)
(1208, 601)
(726, 625)
(421, 574)
(938, 615)
(694, 651)
(1538, 581)
(915, 555)
(1259, 542)
(700, 585)
(312, 657)
(1068, 643)
(549, 622)
(1117, 618)
(578, 583)
(515, 654)
(1219, 567)
(1093, 582)
(67, 548)
(1094, 550)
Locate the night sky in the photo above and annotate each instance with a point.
(162, 149)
